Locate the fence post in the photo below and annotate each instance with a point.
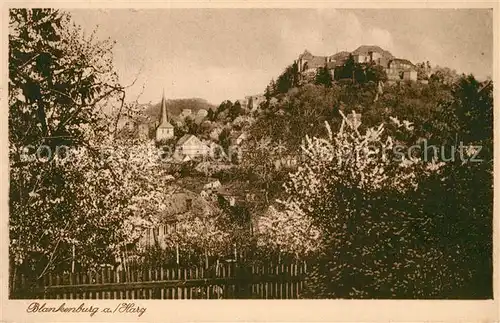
(13, 278)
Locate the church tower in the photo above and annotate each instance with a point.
(165, 130)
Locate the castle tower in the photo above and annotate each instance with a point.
(165, 130)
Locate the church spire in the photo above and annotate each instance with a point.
(163, 118)
(165, 130)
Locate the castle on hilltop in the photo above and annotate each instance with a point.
(308, 65)
(397, 69)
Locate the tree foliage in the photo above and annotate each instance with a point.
(403, 228)
(352, 185)
(360, 72)
(290, 78)
(73, 185)
(324, 77)
(287, 232)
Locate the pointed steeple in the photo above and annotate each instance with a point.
(165, 130)
(163, 118)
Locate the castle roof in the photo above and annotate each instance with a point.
(401, 60)
(365, 49)
(340, 57)
(317, 61)
(306, 54)
(312, 60)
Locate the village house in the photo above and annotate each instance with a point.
(165, 130)
(185, 113)
(190, 147)
(184, 204)
(202, 113)
(143, 130)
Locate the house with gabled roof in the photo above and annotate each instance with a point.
(185, 113)
(189, 147)
(182, 205)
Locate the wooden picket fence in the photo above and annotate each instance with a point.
(226, 281)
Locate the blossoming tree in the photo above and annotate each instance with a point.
(352, 185)
(77, 195)
(287, 232)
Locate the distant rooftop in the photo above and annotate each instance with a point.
(365, 49)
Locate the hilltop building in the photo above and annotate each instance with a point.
(165, 130)
(309, 64)
(372, 54)
(397, 69)
(401, 69)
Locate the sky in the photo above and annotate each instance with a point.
(227, 54)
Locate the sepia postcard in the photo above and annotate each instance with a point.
(249, 161)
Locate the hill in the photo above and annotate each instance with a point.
(175, 107)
